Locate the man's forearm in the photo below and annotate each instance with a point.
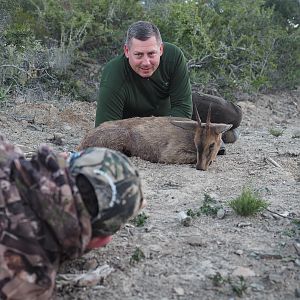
(109, 106)
(182, 108)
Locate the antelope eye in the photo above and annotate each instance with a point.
(211, 146)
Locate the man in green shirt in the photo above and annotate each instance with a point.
(151, 79)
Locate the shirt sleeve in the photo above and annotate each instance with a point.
(110, 105)
(180, 89)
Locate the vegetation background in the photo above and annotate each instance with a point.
(56, 48)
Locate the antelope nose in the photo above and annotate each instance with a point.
(199, 167)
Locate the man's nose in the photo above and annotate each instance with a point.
(146, 60)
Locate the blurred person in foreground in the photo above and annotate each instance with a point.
(54, 208)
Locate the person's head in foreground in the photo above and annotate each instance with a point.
(110, 188)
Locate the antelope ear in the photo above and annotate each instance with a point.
(220, 128)
(187, 125)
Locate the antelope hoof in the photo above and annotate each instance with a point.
(222, 150)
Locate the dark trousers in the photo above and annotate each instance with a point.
(222, 111)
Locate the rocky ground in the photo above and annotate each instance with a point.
(223, 257)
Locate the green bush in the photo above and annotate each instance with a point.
(230, 45)
(104, 22)
(41, 39)
(248, 203)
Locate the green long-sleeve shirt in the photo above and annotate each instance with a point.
(124, 94)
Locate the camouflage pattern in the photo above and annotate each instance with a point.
(116, 184)
(42, 222)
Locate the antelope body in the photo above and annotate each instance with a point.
(160, 139)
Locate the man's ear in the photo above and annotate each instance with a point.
(126, 50)
(161, 49)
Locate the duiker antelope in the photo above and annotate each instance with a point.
(161, 139)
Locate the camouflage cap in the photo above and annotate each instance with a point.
(116, 187)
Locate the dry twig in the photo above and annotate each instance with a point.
(273, 162)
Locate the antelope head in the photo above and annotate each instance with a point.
(207, 138)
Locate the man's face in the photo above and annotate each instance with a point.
(144, 56)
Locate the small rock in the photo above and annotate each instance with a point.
(57, 139)
(297, 247)
(58, 135)
(24, 123)
(296, 134)
(179, 291)
(184, 218)
(34, 127)
(155, 248)
(254, 255)
(3, 119)
(195, 240)
(239, 252)
(257, 287)
(221, 213)
(90, 264)
(297, 262)
(66, 127)
(275, 278)
(244, 272)
(297, 292)
(149, 228)
(244, 224)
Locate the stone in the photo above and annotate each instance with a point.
(90, 264)
(275, 278)
(195, 240)
(297, 262)
(239, 252)
(257, 287)
(297, 247)
(184, 219)
(244, 272)
(221, 213)
(179, 291)
(244, 224)
(66, 127)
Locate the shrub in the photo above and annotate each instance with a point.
(209, 207)
(140, 219)
(230, 45)
(137, 256)
(248, 203)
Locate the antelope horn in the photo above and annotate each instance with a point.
(208, 116)
(197, 115)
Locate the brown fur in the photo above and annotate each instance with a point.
(160, 139)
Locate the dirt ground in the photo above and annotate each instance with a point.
(213, 258)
